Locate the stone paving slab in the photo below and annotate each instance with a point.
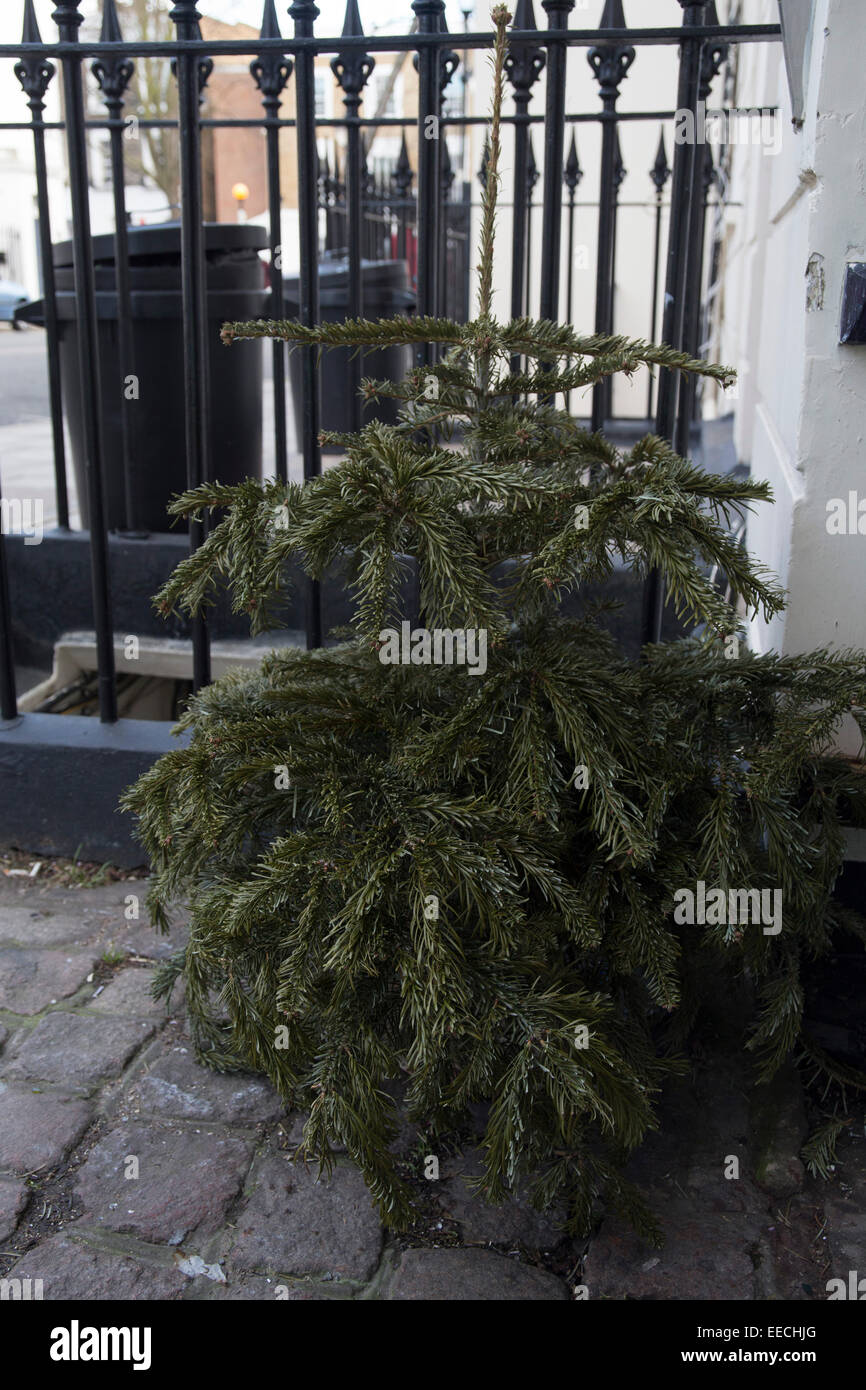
(513, 1222)
(844, 1230)
(139, 940)
(175, 1085)
(470, 1275)
(32, 980)
(161, 1183)
(29, 927)
(13, 1199)
(70, 1269)
(129, 993)
(706, 1255)
(36, 1130)
(296, 1223)
(258, 1288)
(75, 1051)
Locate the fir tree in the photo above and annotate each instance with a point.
(401, 871)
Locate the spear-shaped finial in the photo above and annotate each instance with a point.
(572, 174)
(524, 15)
(609, 60)
(613, 16)
(402, 175)
(270, 24)
(661, 170)
(34, 74)
(30, 33)
(352, 21)
(524, 61)
(112, 72)
(271, 70)
(352, 68)
(110, 32)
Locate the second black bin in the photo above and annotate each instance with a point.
(386, 293)
(235, 290)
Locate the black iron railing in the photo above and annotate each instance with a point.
(414, 211)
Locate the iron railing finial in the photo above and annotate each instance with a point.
(661, 170)
(271, 70)
(34, 74)
(572, 173)
(112, 71)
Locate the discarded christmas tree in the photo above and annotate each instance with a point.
(471, 874)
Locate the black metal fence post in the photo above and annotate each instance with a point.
(449, 61)
(572, 175)
(114, 73)
(446, 183)
(429, 13)
(660, 173)
(271, 71)
(610, 62)
(532, 177)
(685, 158)
(713, 54)
(191, 75)
(554, 148)
(68, 18)
(352, 68)
(619, 175)
(401, 178)
(523, 65)
(304, 13)
(8, 699)
(34, 74)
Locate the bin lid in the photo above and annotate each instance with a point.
(163, 239)
(334, 275)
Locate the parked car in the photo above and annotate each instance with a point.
(11, 296)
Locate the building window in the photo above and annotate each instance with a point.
(378, 87)
(452, 101)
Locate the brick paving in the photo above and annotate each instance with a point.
(129, 1171)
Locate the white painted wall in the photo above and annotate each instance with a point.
(801, 415)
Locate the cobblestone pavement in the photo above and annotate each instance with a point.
(129, 1171)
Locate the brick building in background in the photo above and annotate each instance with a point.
(238, 155)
